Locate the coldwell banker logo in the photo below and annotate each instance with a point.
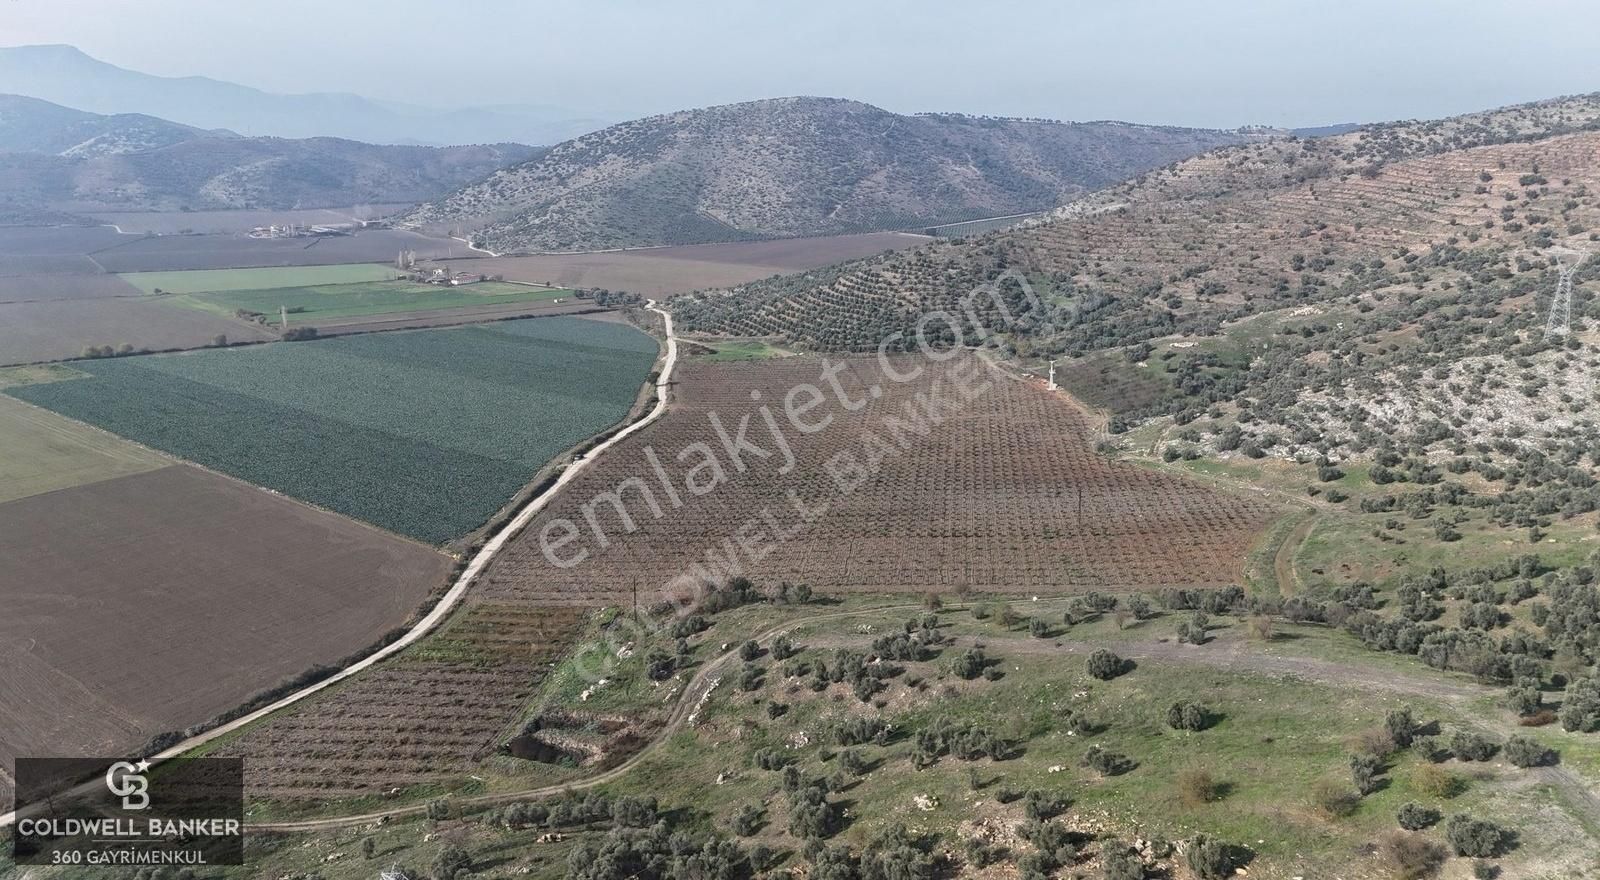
(112, 812)
(128, 782)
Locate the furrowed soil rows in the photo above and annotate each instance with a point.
(421, 718)
(1006, 495)
(989, 500)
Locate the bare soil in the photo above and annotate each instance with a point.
(152, 602)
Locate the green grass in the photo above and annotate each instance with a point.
(12, 377)
(424, 433)
(308, 305)
(44, 452)
(215, 280)
(1342, 548)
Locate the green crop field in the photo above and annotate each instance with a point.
(425, 433)
(307, 305)
(216, 280)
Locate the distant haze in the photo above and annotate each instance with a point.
(1182, 62)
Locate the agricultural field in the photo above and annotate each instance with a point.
(144, 603)
(419, 723)
(30, 250)
(1007, 494)
(322, 303)
(62, 286)
(208, 222)
(166, 253)
(671, 270)
(426, 434)
(233, 280)
(988, 501)
(61, 329)
(45, 452)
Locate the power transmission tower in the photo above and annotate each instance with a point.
(1559, 321)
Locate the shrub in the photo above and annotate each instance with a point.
(1333, 799)
(1038, 805)
(1402, 727)
(1478, 838)
(1580, 708)
(1193, 630)
(1364, 772)
(1107, 763)
(1121, 862)
(1259, 627)
(1211, 859)
(1415, 817)
(1196, 787)
(1412, 856)
(1038, 628)
(1429, 749)
(1469, 746)
(1524, 752)
(452, 861)
(1187, 716)
(749, 651)
(1105, 665)
(1435, 781)
(969, 664)
(1374, 741)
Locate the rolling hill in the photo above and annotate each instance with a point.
(29, 125)
(55, 161)
(1375, 294)
(793, 167)
(65, 75)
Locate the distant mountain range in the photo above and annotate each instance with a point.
(56, 162)
(64, 75)
(798, 166)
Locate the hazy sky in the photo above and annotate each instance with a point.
(1176, 61)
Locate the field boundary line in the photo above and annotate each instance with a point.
(452, 598)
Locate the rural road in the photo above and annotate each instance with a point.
(457, 591)
(1229, 655)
